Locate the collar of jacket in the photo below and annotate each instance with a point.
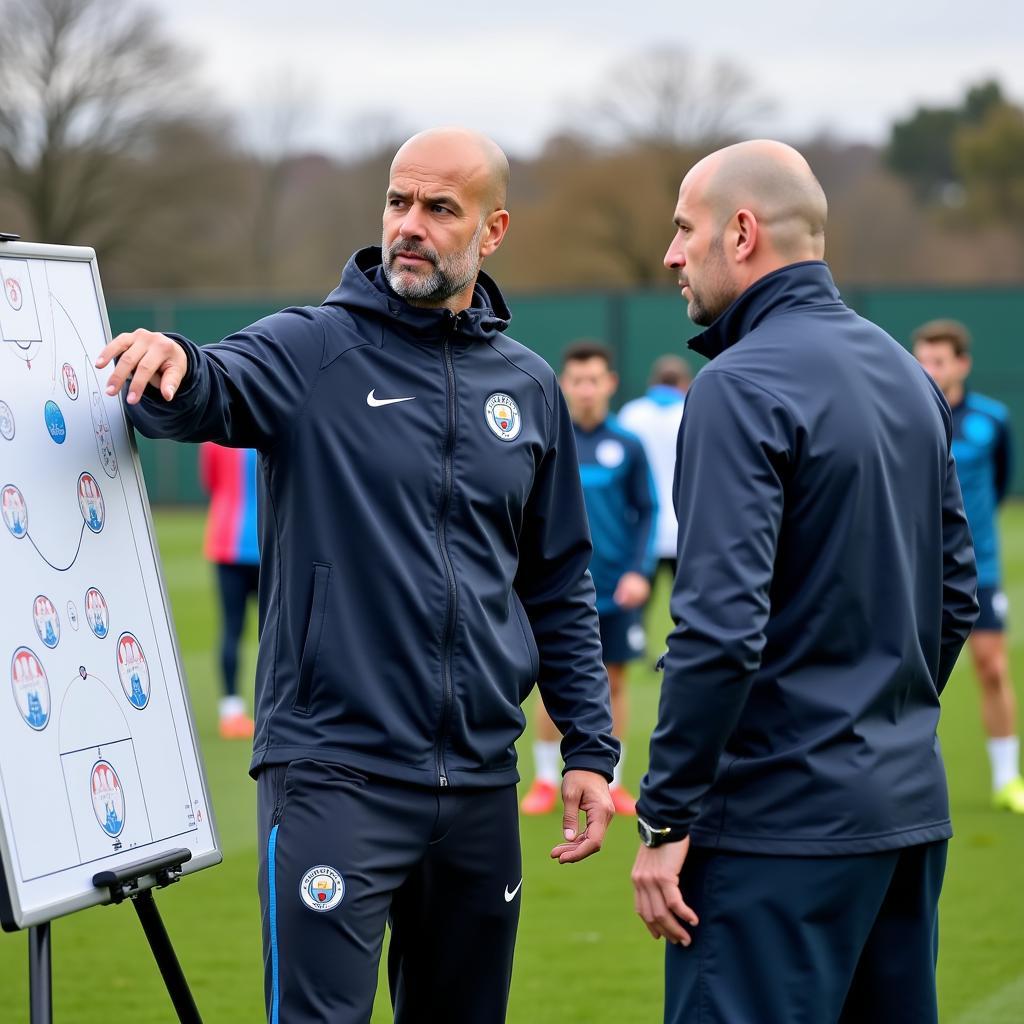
(364, 289)
(799, 284)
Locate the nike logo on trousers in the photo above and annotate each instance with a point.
(510, 896)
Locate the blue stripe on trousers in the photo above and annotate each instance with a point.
(275, 996)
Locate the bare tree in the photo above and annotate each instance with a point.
(667, 97)
(284, 111)
(656, 113)
(86, 87)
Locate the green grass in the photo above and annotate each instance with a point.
(582, 956)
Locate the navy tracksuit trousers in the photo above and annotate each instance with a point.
(808, 940)
(344, 853)
(236, 583)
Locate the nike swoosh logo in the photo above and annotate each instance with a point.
(510, 896)
(375, 403)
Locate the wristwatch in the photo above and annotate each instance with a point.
(651, 836)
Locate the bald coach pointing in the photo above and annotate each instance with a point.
(794, 817)
(424, 561)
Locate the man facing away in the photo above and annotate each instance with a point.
(622, 511)
(424, 554)
(795, 814)
(655, 417)
(984, 465)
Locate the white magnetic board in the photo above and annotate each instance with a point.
(99, 760)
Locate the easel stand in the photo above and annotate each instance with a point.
(40, 975)
(125, 883)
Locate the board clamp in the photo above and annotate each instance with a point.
(124, 882)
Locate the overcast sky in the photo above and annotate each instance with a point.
(521, 69)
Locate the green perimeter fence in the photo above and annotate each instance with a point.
(638, 325)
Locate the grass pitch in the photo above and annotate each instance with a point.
(582, 956)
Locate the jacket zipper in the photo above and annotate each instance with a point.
(442, 544)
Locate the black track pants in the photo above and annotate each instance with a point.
(343, 853)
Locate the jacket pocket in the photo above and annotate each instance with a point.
(531, 643)
(311, 645)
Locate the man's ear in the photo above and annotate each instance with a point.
(746, 228)
(494, 231)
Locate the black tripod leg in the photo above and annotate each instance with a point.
(167, 961)
(40, 975)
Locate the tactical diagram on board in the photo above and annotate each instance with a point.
(95, 733)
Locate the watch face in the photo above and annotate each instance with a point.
(646, 835)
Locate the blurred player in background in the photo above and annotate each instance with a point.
(232, 545)
(622, 509)
(655, 419)
(984, 463)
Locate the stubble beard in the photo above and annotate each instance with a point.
(716, 293)
(451, 274)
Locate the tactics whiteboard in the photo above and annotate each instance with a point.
(99, 761)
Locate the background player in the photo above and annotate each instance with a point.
(621, 506)
(984, 464)
(232, 545)
(655, 417)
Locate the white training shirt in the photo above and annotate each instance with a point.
(655, 419)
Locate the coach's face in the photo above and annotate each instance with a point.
(697, 254)
(439, 221)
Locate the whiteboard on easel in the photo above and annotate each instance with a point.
(99, 759)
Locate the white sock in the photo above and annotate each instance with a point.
(230, 707)
(546, 758)
(1004, 756)
(617, 770)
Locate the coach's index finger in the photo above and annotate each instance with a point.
(142, 355)
(114, 348)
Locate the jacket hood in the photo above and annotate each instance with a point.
(364, 287)
(799, 284)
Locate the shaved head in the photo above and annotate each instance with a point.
(775, 183)
(468, 157)
(743, 212)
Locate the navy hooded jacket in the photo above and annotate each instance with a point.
(826, 585)
(422, 528)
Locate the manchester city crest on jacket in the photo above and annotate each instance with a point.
(503, 416)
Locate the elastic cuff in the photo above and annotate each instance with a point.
(600, 769)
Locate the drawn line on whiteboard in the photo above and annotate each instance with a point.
(71, 815)
(53, 328)
(100, 422)
(96, 746)
(179, 699)
(54, 301)
(57, 567)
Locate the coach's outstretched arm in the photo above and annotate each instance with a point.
(558, 594)
(242, 392)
